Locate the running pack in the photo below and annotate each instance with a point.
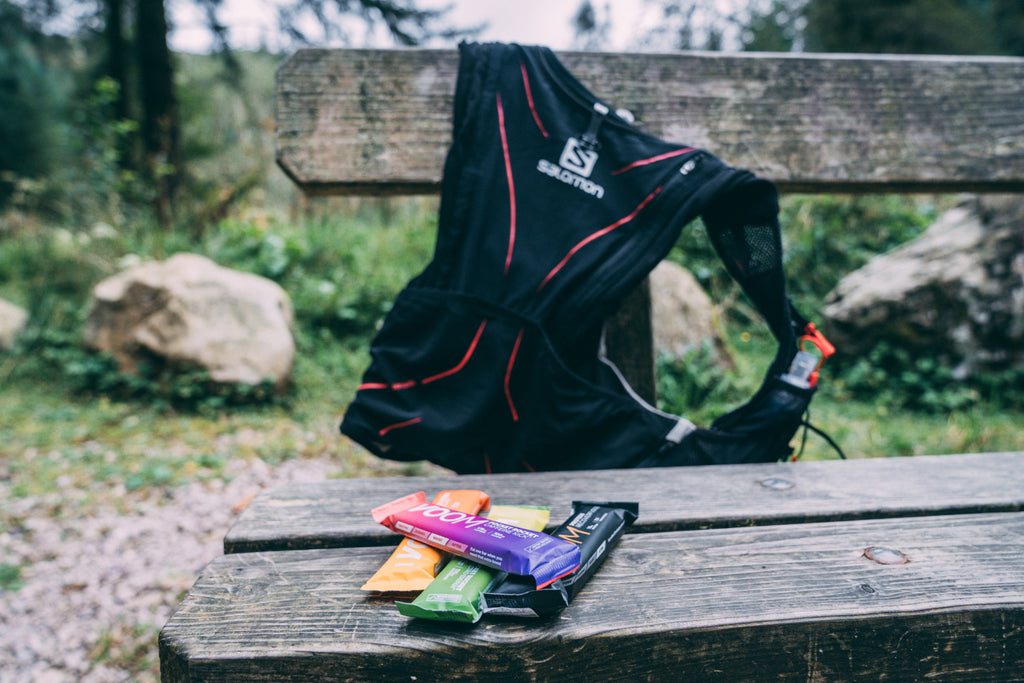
(553, 208)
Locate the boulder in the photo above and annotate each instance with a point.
(956, 290)
(682, 315)
(12, 322)
(191, 312)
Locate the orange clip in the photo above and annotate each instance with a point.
(824, 346)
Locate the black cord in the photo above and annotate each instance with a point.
(828, 439)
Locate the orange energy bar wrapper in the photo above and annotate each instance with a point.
(413, 565)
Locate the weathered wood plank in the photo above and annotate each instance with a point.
(793, 602)
(336, 513)
(378, 121)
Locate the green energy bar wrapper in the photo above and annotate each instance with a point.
(595, 528)
(455, 594)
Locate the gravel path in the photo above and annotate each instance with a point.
(98, 586)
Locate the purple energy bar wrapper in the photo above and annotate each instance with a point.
(491, 543)
(595, 528)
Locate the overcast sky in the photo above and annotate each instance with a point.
(253, 23)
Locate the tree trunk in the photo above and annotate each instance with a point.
(160, 129)
(117, 55)
(117, 67)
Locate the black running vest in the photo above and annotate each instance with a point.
(553, 208)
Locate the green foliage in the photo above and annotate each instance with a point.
(342, 272)
(915, 26)
(130, 647)
(57, 345)
(919, 381)
(776, 29)
(99, 185)
(87, 183)
(897, 378)
(50, 271)
(1004, 388)
(695, 385)
(10, 577)
(162, 385)
(227, 139)
(31, 95)
(825, 237)
(41, 266)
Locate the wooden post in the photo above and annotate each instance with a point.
(629, 337)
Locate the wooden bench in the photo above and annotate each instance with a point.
(903, 569)
(743, 572)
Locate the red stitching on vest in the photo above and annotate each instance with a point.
(508, 376)
(408, 384)
(399, 425)
(511, 186)
(529, 99)
(654, 159)
(465, 358)
(593, 236)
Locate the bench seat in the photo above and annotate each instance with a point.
(766, 594)
(336, 513)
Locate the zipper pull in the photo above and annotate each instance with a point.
(589, 139)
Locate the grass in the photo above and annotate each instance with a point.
(10, 577)
(55, 438)
(871, 431)
(131, 648)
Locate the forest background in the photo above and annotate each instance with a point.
(116, 150)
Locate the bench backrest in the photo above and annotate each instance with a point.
(378, 122)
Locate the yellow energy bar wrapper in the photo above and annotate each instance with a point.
(534, 518)
(413, 565)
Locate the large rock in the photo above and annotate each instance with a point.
(12, 322)
(958, 290)
(190, 311)
(682, 315)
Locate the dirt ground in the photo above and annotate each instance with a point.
(98, 581)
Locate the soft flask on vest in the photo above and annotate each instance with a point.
(553, 208)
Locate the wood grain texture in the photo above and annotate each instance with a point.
(791, 601)
(378, 121)
(336, 513)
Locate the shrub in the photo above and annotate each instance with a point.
(915, 380)
(342, 272)
(695, 384)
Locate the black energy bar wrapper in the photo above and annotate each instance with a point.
(595, 528)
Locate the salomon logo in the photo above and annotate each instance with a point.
(578, 159)
(575, 166)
